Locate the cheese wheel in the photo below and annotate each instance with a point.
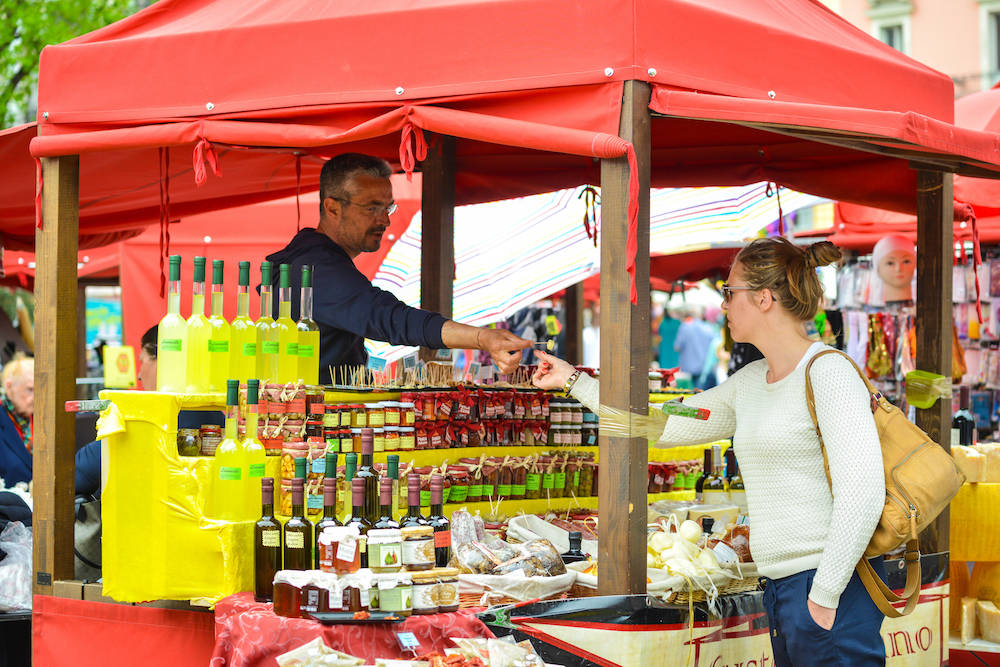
(968, 620)
(992, 453)
(988, 617)
(971, 462)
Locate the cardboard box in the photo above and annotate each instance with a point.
(95, 593)
(72, 590)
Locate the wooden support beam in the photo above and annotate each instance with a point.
(55, 372)
(625, 352)
(935, 216)
(81, 331)
(437, 242)
(574, 324)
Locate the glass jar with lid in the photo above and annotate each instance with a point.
(447, 589)
(376, 415)
(395, 593)
(418, 548)
(407, 413)
(211, 436)
(391, 409)
(407, 437)
(385, 550)
(424, 592)
(188, 441)
(359, 417)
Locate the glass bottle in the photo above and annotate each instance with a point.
(350, 467)
(737, 492)
(171, 334)
(358, 517)
(308, 332)
(963, 424)
(367, 472)
(329, 508)
(197, 333)
(575, 554)
(242, 333)
(254, 455)
(266, 545)
(297, 532)
(284, 327)
(413, 517)
(267, 341)
(227, 486)
(714, 491)
(392, 472)
(440, 524)
(218, 335)
(386, 519)
(706, 470)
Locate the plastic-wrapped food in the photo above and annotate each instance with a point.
(529, 565)
(475, 558)
(546, 555)
(463, 528)
(15, 569)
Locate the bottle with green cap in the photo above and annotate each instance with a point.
(267, 336)
(228, 498)
(308, 332)
(218, 334)
(171, 340)
(242, 333)
(392, 472)
(288, 335)
(350, 467)
(197, 334)
(254, 455)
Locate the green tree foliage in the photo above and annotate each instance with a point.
(27, 26)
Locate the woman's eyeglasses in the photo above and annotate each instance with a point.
(727, 290)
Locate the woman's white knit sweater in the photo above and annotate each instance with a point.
(795, 522)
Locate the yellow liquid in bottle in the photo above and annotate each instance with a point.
(228, 476)
(242, 348)
(288, 344)
(218, 346)
(172, 349)
(267, 346)
(308, 354)
(198, 334)
(255, 459)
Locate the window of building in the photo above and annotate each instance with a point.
(989, 42)
(890, 22)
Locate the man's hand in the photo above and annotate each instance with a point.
(822, 616)
(552, 372)
(503, 346)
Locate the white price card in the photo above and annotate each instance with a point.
(376, 363)
(408, 641)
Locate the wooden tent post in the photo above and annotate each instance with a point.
(437, 238)
(935, 216)
(55, 372)
(574, 324)
(625, 351)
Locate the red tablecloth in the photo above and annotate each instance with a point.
(249, 633)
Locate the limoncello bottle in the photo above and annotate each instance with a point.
(243, 336)
(308, 332)
(267, 340)
(288, 335)
(253, 452)
(197, 333)
(172, 347)
(228, 496)
(219, 338)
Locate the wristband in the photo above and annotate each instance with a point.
(570, 381)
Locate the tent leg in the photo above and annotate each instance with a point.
(55, 372)
(625, 352)
(574, 323)
(437, 245)
(935, 220)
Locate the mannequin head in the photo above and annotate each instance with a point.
(895, 260)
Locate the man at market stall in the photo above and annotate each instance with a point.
(355, 204)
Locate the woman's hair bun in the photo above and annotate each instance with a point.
(822, 253)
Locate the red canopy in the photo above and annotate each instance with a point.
(532, 90)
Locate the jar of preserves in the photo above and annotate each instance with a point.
(331, 416)
(211, 436)
(355, 441)
(288, 592)
(391, 439)
(332, 438)
(418, 548)
(458, 476)
(314, 429)
(407, 413)
(407, 438)
(424, 589)
(378, 439)
(314, 596)
(575, 413)
(375, 414)
(359, 417)
(188, 441)
(391, 410)
(395, 593)
(447, 589)
(315, 409)
(385, 550)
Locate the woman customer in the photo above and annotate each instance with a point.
(805, 540)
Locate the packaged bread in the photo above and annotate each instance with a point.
(971, 462)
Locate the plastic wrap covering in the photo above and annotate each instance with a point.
(624, 424)
(923, 389)
(158, 542)
(15, 568)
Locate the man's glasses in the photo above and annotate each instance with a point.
(374, 210)
(727, 290)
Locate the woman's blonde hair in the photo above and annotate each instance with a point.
(789, 271)
(19, 366)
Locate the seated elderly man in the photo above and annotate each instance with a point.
(18, 403)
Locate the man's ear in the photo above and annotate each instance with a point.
(332, 208)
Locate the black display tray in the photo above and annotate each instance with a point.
(347, 617)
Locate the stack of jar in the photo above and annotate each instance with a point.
(572, 424)
(391, 421)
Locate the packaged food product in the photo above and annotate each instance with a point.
(395, 593)
(547, 556)
(385, 550)
(211, 436)
(446, 591)
(418, 548)
(188, 441)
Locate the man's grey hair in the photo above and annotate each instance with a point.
(339, 170)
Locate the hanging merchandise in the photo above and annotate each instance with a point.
(879, 361)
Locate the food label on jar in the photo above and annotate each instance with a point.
(174, 345)
(218, 346)
(378, 443)
(305, 350)
(319, 466)
(346, 549)
(256, 470)
(229, 473)
(548, 480)
(446, 594)
(518, 489)
(560, 482)
(271, 538)
(425, 498)
(376, 419)
(385, 555)
(533, 481)
(392, 418)
(249, 349)
(407, 441)
(475, 490)
(442, 538)
(276, 407)
(292, 349)
(505, 490)
(397, 598)
(576, 478)
(423, 596)
(297, 406)
(314, 501)
(295, 540)
(269, 347)
(418, 552)
(458, 494)
(318, 409)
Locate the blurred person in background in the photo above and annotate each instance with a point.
(18, 379)
(694, 337)
(668, 357)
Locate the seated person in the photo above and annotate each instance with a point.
(18, 403)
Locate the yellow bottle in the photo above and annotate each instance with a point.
(171, 342)
(254, 455)
(288, 335)
(219, 334)
(308, 370)
(197, 334)
(228, 496)
(267, 340)
(242, 333)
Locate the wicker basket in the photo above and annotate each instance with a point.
(732, 588)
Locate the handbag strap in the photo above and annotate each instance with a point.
(881, 595)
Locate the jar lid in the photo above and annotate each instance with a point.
(406, 404)
(425, 577)
(393, 579)
(211, 428)
(297, 578)
(356, 406)
(417, 531)
(390, 404)
(356, 431)
(331, 407)
(384, 535)
(393, 429)
(188, 431)
(446, 571)
(378, 405)
(407, 429)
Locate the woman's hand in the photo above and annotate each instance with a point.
(822, 616)
(552, 372)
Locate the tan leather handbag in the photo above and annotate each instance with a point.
(921, 478)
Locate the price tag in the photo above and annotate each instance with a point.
(376, 363)
(410, 362)
(408, 642)
(474, 371)
(443, 353)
